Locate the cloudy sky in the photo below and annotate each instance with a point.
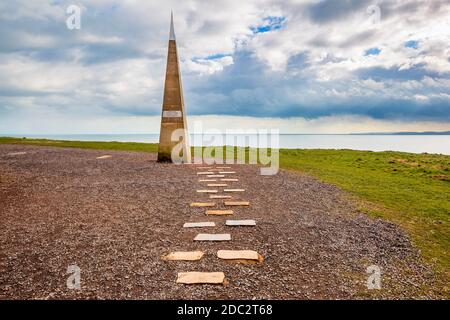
(303, 66)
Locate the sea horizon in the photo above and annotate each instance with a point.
(437, 143)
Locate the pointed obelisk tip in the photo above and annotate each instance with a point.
(172, 30)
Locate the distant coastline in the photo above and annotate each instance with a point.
(412, 133)
(402, 142)
(404, 133)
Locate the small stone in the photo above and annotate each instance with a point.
(16, 153)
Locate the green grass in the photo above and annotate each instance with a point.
(412, 190)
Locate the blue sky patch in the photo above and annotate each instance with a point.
(414, 44)
(212, 57)
(217, 56)
(372, 52)
(269, 24)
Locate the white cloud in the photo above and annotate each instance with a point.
(207, 66)
(314, 62)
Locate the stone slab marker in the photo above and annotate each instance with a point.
(199, 224)
(240, 223)
(202, 204)
(219, 196)
(213, 237)
(238, 255)
(201, 277)
(184, 256)
(207, 191)
(218, 212)
(173, 118)
(16, 153)
(237, 203)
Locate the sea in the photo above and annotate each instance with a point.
(414, 143)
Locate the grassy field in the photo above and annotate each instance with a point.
(412, 190)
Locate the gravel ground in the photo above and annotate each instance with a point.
(115, 218)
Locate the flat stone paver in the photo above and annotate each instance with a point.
(219, 196)
(201, 277)
(219, 212)
(207, 180)
(238, 255)
(237, 203)
(202, 204)
(233, 223)
(205, 172)
(183, 256)
(104, 157)
(227, 172)
(213, 237)
(207, 191)
(215, 175)
(199, 224)
(229, 179)
(16, 153)
(233, 190)
(217, 185)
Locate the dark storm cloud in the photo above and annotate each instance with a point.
(331, 10)
(246, 89)
(416, 72)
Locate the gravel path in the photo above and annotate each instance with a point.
(115, 217)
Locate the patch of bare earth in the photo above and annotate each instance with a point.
(115, 217)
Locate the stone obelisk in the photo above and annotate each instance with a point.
(173, 132)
